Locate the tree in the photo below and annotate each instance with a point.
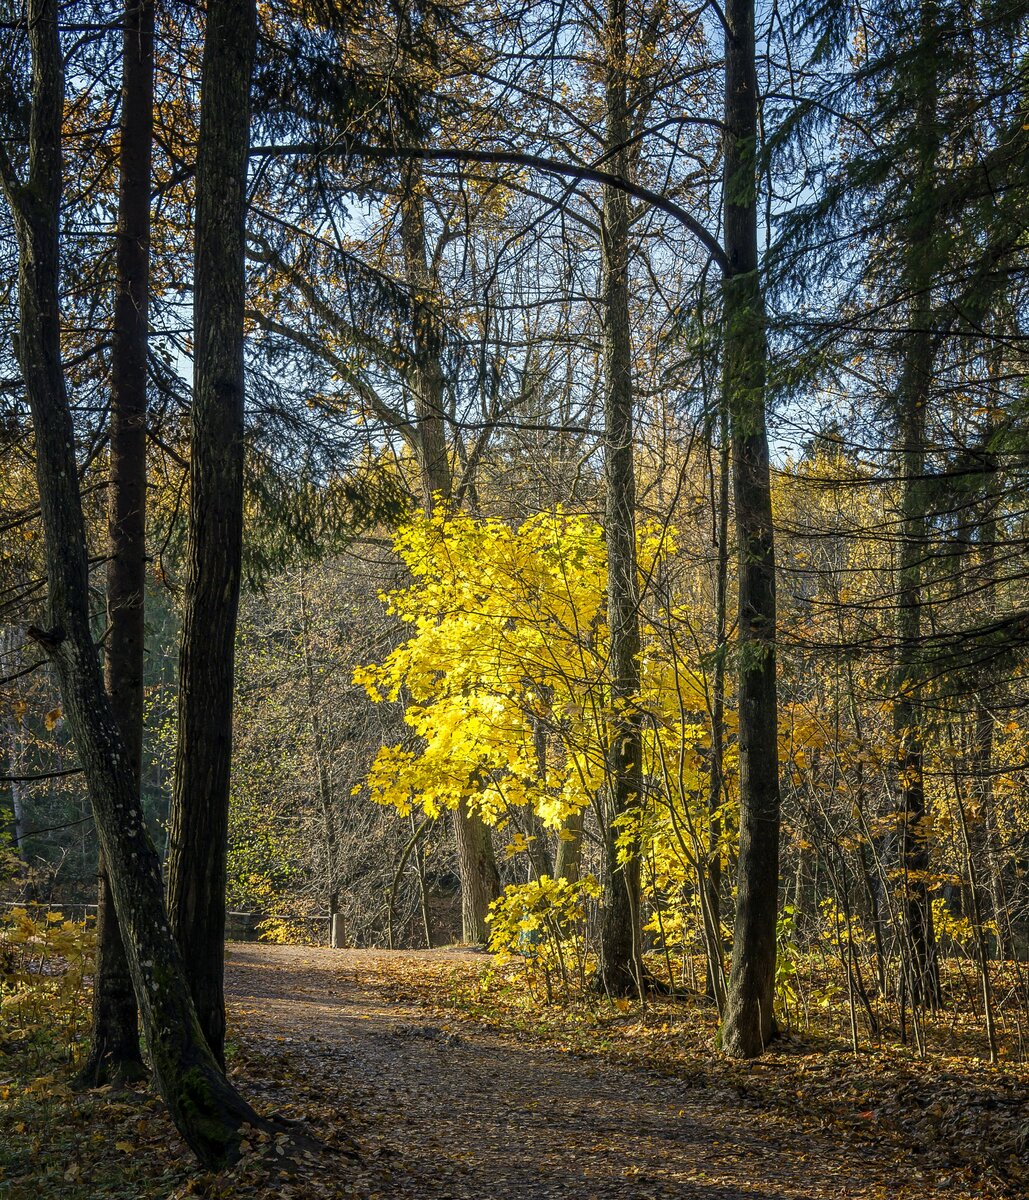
(509, 633)
(480, 883)
(200, 808)
(712, 882)
(508, 637)
(621, 953)
(114, 1052)
(747, 1023)
(914, 395)
(205, 1107)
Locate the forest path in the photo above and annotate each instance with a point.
(462, 1112)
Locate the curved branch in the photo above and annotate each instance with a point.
(513, 158)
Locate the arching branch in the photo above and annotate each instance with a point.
(513, 158)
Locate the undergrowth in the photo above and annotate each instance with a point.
(59, 1142)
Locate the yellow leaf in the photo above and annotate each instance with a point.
(52, 717)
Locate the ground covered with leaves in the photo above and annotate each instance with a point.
(435, 1074)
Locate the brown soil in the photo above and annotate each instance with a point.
(459, 1111)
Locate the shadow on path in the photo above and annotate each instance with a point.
(463, 1113)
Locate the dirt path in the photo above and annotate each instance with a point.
(465, 1113)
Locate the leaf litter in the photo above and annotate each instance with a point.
(432, 1075)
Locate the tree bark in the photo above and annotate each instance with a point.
(480, 879)
(426, 376)
(540, 861)
(423, 889)
(204, 1106)
(114, 1049)
(747, 1024)
(198, 841)
(568, 860)
(13, 637)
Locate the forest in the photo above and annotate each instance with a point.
(514, 625)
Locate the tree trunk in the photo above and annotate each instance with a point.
(747, 1024)
(922, 967)
(712, 881)
(423, 888)
(988, 533)
(975, 905)
(569, 850)
(540, 862)
(913, 401)
(480, 879)
(12, 640)
(425, 378)
(204, 1106)
(114, 1050)
(198, 841)
(621, 963)
(991, 836)
(17, 787)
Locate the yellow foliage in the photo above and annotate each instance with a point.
(44, 963)
(507, 634)
(544, 924)
(507, 652)
(509, 638)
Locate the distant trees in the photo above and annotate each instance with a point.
(913, 347)
(302, 845)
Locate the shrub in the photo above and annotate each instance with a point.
(544, 924)
(45, 963)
